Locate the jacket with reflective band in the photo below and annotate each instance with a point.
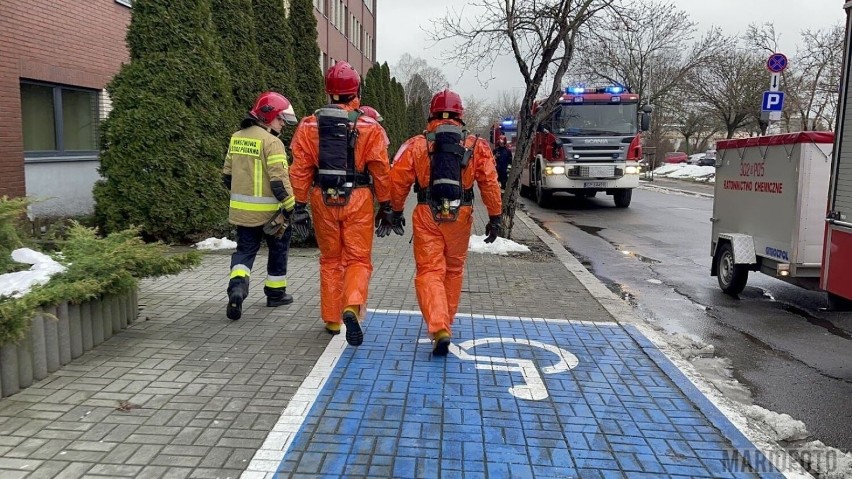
(255, 158)
(371, 154)
(412, 164)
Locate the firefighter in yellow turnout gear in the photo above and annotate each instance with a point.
(257, 174)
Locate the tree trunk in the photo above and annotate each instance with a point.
(520, 160)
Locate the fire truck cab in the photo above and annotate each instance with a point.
(590, 144)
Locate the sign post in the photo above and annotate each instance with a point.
(773, 99)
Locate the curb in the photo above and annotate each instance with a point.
(59, 334)
(623, 314)
(646, 186)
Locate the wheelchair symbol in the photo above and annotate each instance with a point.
(534, 388)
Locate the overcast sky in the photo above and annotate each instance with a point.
(401, 24)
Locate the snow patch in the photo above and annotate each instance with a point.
(501, 246)
(654, 281)
(213, 244)
(704, 174)
(827, 461)
(19, 283)
(783, 426)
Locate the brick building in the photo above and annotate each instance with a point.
(54, 63)
(347, 31)
(56, 57)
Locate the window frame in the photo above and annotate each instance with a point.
(59, 125)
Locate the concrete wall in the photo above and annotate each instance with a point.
(65, 187)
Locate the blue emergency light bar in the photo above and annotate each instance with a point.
(579, 90)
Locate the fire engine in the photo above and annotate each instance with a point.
(590, 144)
(507, 127)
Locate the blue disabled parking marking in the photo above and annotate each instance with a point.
(515, 398)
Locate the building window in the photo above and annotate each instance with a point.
(320, 5)
(59, 120)
(369, 4)
(126, 3)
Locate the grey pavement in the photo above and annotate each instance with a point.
(186, 393)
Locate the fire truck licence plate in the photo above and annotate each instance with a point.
(601, 171)
(594, 184)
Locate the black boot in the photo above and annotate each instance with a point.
(277, 297)
(237, 292)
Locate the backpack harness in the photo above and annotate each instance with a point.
(336, 176)
(448, 158)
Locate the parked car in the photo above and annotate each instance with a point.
(675, 157)
(707, 161)
(695, 158)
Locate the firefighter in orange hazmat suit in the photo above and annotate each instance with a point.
(442, 165)
(340, 157)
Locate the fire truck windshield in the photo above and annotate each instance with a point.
(595, 119)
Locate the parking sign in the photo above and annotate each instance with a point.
(772, 101)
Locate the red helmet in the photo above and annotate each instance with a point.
(271, 105)
(446, 101)
(342, 80)
(372, 113)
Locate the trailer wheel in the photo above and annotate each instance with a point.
(622, 198)
(732, 277)
(542, 196)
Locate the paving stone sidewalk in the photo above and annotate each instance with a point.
(186, 393)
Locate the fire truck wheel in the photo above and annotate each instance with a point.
(732, 277)
(839, 303)
(542, 196)
(622, 198)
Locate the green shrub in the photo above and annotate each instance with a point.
(94, 267)
(165, 139)
(11, 212)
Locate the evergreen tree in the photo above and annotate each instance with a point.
(308, 77)
(164, 142)
(275, 44)
(235, 29)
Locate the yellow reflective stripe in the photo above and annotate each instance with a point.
(242, 205)
(240, 271)
(289, 202)
(270, 283)
(273, 159)
(245, 146)
(258, 178)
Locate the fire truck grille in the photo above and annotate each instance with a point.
(603, 153)
(595, 172)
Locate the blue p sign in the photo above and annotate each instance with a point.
(772, 101)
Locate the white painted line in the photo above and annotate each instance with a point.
(491, 316)
(265, 462)
(623, 313)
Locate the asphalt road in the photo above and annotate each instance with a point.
(793, 356)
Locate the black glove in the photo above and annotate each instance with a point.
(301, 221)
(398, 223)
(492, 229)
(384, 219)
(226, 180)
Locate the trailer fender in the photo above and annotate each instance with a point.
(743, 246)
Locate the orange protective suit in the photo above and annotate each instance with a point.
(344, 233)
(440, 249)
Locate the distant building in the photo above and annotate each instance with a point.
(347, 31)
(56, 57)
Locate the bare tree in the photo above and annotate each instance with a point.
(477, 115)
(649, 47)
(731, 88)
(816, 85)
(408, 67)
(508, 104)
(541, 36)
